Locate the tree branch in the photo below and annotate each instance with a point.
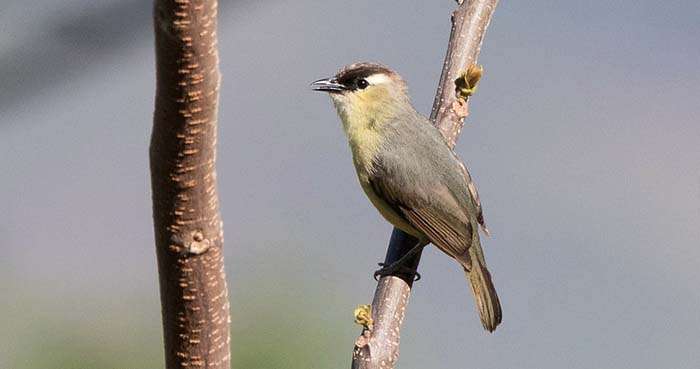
(187, 223)
(378, 345)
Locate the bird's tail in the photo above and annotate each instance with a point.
(482, 287)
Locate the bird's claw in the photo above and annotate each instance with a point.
(394, 269)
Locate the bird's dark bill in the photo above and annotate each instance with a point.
(328, 85)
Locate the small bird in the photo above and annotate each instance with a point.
(410, 174)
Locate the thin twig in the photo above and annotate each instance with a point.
(187, 223)
(378, 346)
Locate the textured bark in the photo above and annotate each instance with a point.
(188, 231)
(378, 346)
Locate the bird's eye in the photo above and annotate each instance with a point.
(362, 83)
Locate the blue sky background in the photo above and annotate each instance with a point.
(583, 140)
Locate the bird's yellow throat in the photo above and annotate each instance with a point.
(363, 114)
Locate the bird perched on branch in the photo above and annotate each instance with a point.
(410, 174)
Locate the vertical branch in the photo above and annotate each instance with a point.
(187, 223)
(378, 345)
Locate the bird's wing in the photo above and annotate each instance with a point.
(474, 195)
(432, 209)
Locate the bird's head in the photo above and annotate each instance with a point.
(365, 91)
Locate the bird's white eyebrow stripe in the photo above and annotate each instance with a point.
(377, 78)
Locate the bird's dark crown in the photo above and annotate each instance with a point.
(352, 72)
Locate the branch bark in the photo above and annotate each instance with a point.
(378, 345)
(187, 223)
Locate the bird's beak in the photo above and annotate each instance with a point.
(328, 85)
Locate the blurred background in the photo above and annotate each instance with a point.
(583, 140)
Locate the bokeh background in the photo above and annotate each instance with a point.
(583, 139)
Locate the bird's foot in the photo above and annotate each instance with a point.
(395, 268)
(399, 267)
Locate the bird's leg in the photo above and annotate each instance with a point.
(398, 266)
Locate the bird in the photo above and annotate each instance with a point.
(410, 174)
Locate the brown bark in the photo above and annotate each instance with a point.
(378, 346)
(187, 223)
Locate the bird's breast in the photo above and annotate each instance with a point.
(365, 142)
